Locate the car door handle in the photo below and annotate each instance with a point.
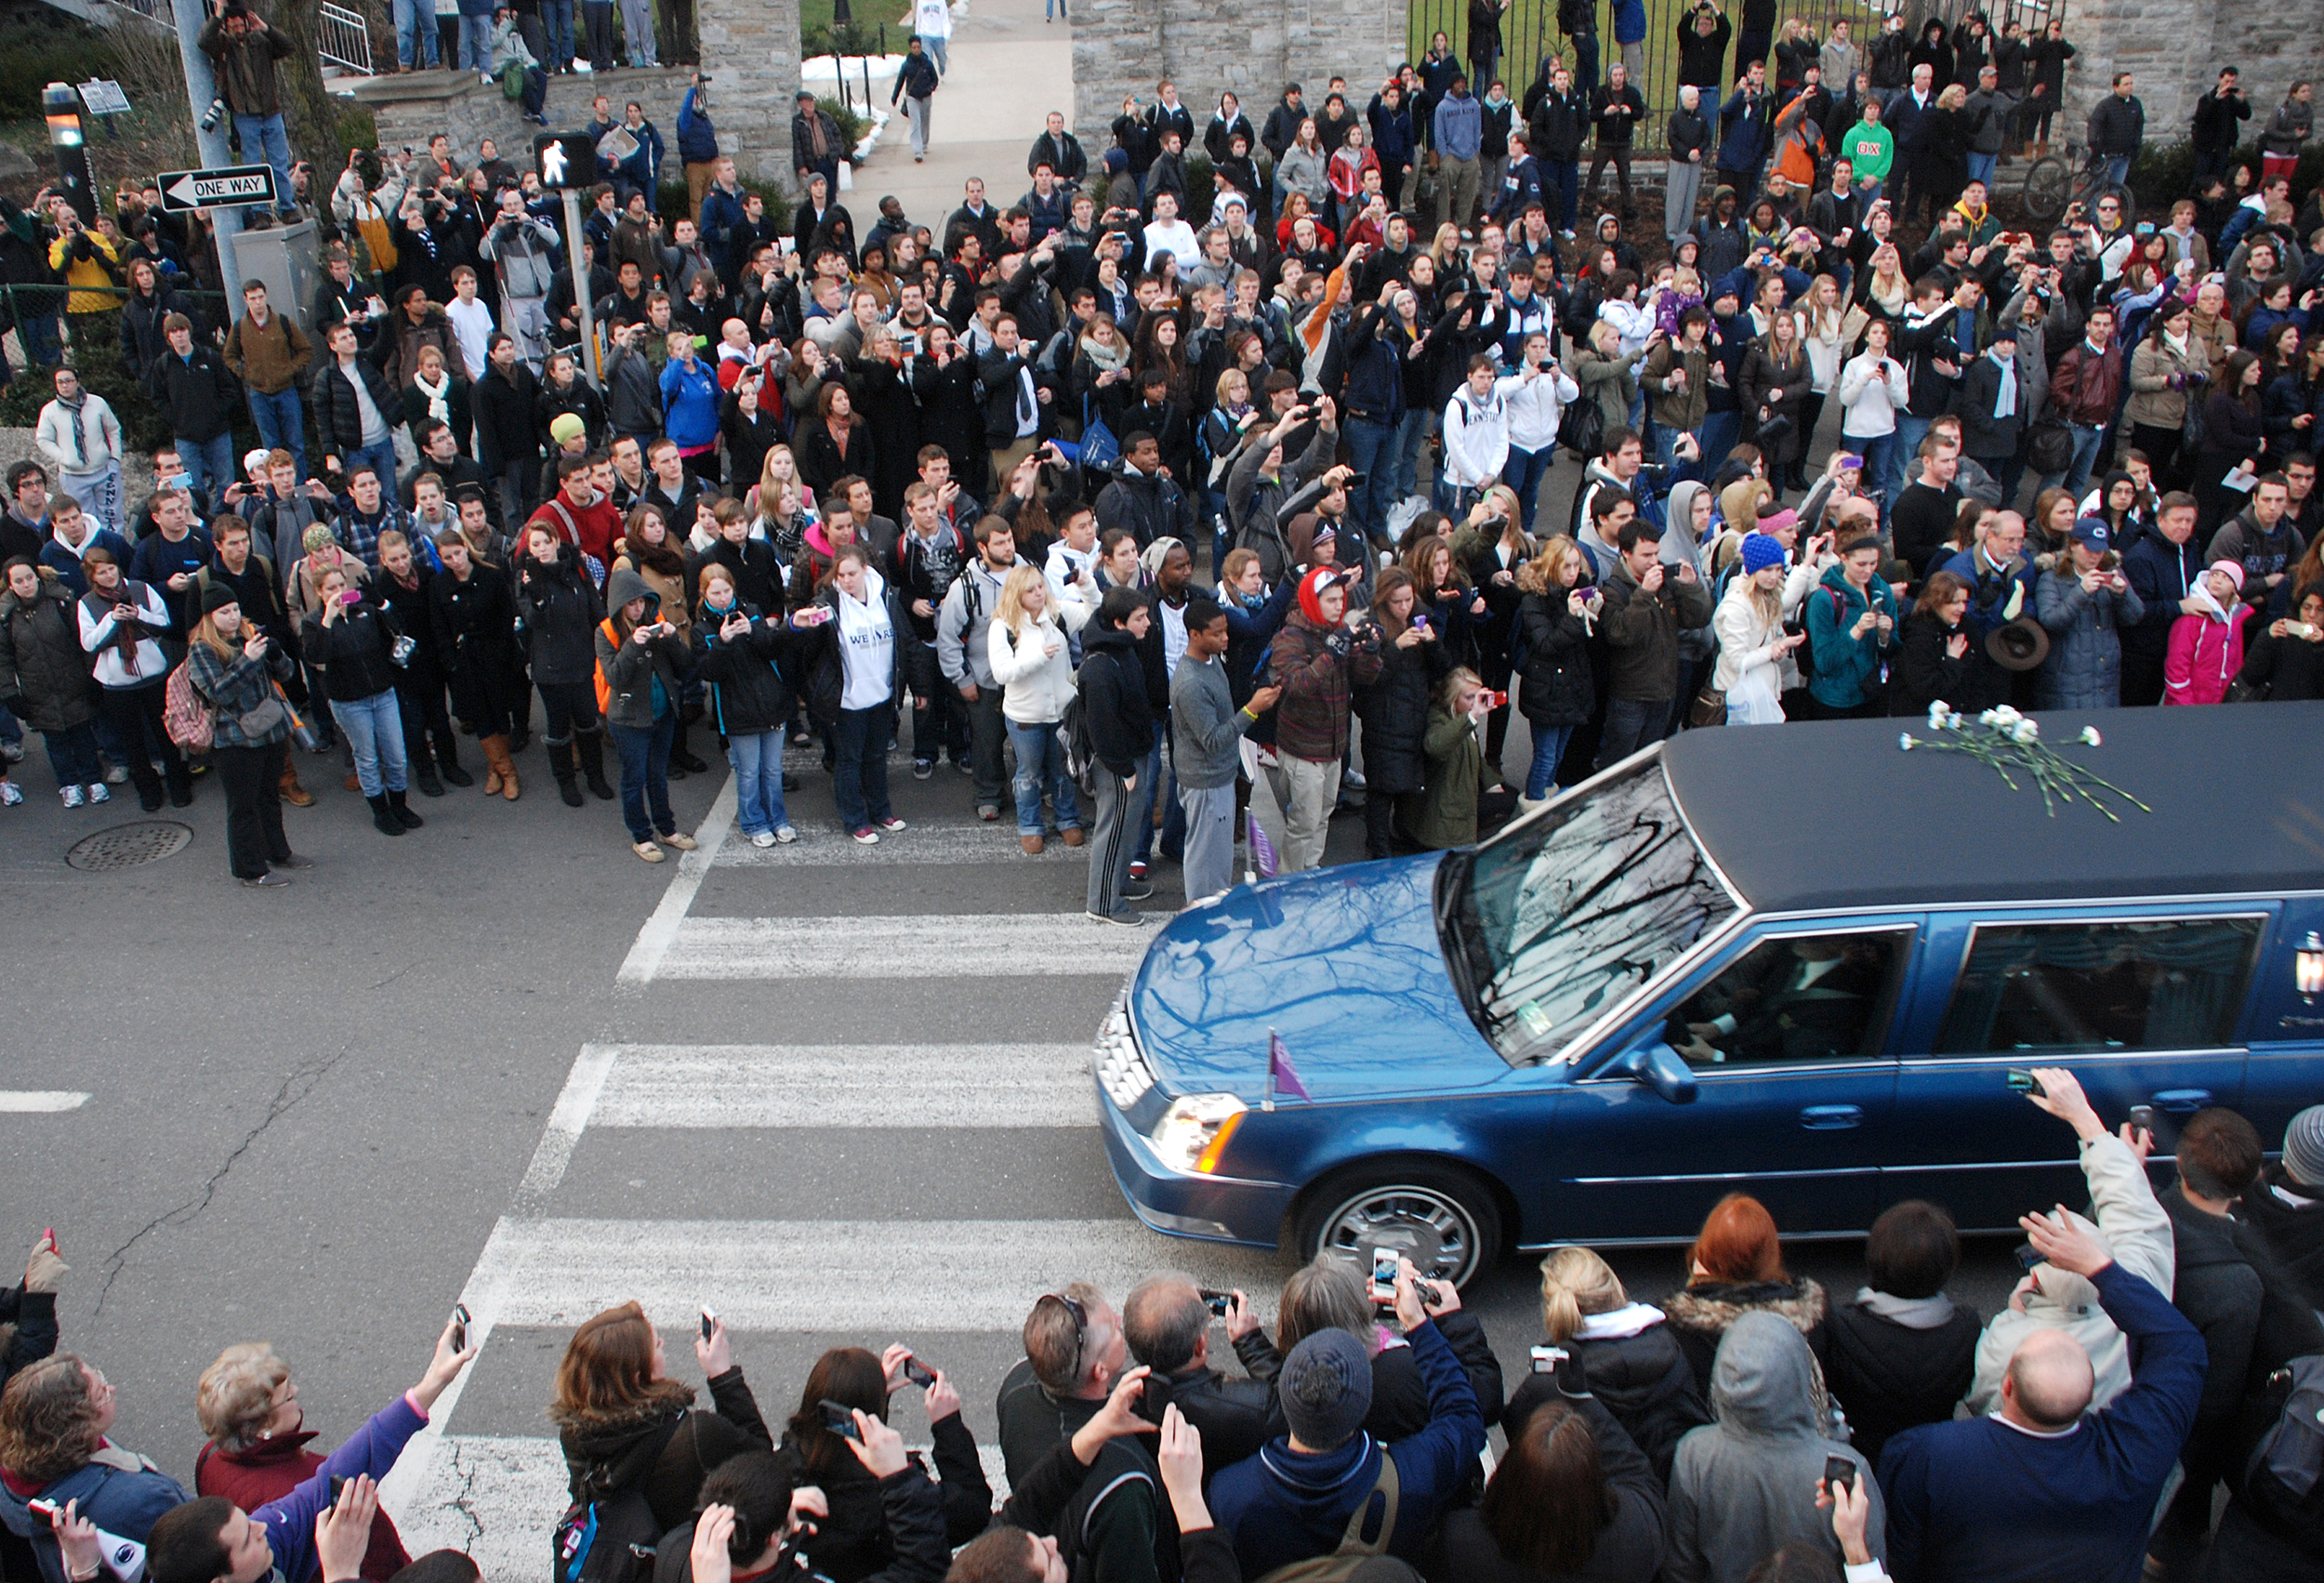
(1832, 1118)
(2182, 1102)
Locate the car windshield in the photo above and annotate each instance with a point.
(1552, 924)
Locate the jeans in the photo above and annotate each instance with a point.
(73, 754)
(2090, 439)
(645, 774)
(1041, 768)
(1981, 167)
(380, 457)
(252, 779)
(282, 420)
(1209, 862)
(758, 761)
(476, 42)
(2117, 168)
(1152, 787)
(1548, 746)
(935, 47)
(1879, 452)
(1631, 725)
(597, 16)
(414, 34)
(859, 772)
(1720, 431)
(210, 463)
(1368, 441)
(1585, 62)
(1404, 457)
(264, 140)
(375, 729)
(1564, 177)
(535, 94)
(557, 17)
(1910, 431)
(1524, 473)
(636, 29)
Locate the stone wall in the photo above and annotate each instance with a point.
(413, 106)
(750, 48)
(2174, 48)
(1123, 47)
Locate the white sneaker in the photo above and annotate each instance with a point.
(13, 751)
(763, 838)
(117, 775)
(99, 793)
(786, 835)
(10, 794)
(72, 795)
(583, 67)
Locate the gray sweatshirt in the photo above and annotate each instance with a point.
(1206, 728)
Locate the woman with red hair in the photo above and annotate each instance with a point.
(1734, 1268)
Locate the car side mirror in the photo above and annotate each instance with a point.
(1659, 1067)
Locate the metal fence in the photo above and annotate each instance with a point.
(342, 39)
(1530, 36)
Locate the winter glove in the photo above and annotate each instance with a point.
(1339, 645)
(44, 1272)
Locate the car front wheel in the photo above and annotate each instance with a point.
(1443, 1220)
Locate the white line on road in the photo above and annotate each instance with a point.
(885, 1276)
(39, 1102)
(731, 1085)
(828, 846)
(1018, 944)
(653, 939)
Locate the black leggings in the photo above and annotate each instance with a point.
(567, 707)
(251, 777)
(132, 711)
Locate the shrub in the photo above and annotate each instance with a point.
(43, 49)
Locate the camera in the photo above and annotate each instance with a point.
(215, 116)
(1794, 628)
(1218, 1301)
(839, 1419)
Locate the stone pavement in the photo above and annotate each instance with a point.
(1009, 71)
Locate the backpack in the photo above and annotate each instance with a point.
(1078, 744)
(605, 686)
(609, 1534)
(1583, 428)
(2283, 1484)
(187, 720)
(1356, 1560)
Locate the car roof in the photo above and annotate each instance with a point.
(1834, 814)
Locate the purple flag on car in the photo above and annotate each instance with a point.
(1264, 861)
(1282, 1077)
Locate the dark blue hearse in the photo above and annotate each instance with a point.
(1797, 962)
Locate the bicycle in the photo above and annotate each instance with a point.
(2050, 186)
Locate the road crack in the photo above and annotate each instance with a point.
(296, 1086)
(465, 1502)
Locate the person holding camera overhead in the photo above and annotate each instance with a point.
(642, 657)
(246, 49)
(359, 657)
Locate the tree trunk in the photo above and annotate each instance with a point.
(310, 114)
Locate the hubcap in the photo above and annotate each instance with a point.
(1421, 1224)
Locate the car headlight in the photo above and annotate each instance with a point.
(1122, 1069)
(1193, 1133)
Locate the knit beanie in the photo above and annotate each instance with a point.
(2303, 1147)
(218, 596)
(317, 537)
(2234, 570)
(566, 426)
(1325, 1388)
(1760, 552)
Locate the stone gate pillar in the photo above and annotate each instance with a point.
(751, 50)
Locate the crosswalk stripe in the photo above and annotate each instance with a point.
(822, 844)
(655, 934)
(735, 1086)
(885, 1276)
(40, 1102)
(1018, 944)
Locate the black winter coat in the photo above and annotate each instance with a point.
(503, 405)
(1888, 1377)
(198, 395)
(753, 682)
(143, 344)
(1399, 1391)
(1394, 712)
(1556, 689)
(474, 623)
(1644, 1381)
(353, 652)
(2252, 1314)
(1113, 686)
(758, 574)
(1699, 1314)
(1628, 1550)
(703, 1441)
(560, 609)
(2293, 668)
(1926, 672)
(1150, 508)
(2289, 1220)
(407, 611)
(43, 674)
(853, 1541)
(337, 417)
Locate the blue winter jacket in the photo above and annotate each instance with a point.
(117, 1499)
(697, 139)
(1284, 1505)
(1847, 668)
(690, 404)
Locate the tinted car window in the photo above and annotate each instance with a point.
(2175, 985)
(1557, 921)
(1802, 997)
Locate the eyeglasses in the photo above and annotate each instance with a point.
(1081, 1324)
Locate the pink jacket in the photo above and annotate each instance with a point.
(2204, 656)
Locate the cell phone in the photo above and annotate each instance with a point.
(1219, 1301)
(840, 1421)
(48, 1236)
(1356, 480)
(1852, 463)
(710, 1323)
(338, 1482)
(348, 596)
(1419, 621)
(2024, 1082)
(460, 1326)
(2028, 1256)
(917, 1375)
(1839, 1470)
(1496, 700)
(2142, 1118)
(815, 614)
(44, 1508)
(1384, 1275)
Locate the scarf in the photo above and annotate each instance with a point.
(439, 396)
(1106, 359)
(2005, 401)
(78, 407)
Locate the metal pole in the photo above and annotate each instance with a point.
(201, 90)
(581, 286)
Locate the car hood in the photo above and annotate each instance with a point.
(1343, 963)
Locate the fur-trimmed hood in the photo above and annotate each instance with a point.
(1710, 1307)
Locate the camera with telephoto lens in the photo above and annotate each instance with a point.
(215, 116)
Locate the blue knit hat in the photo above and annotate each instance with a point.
(1325, 1388)
(1760, 552)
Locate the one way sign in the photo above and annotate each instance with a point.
(233, 185)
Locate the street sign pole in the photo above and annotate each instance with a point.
(201, 88)
(582, 305)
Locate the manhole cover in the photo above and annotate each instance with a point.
(125, 846)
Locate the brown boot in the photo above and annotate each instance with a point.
(292, 792)
(1032, 845)
(491, 766)
(496, 750)
(353, 784)
(1071, 835)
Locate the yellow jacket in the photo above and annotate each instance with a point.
(94, 289)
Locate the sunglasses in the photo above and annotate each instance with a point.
(1081, 1324)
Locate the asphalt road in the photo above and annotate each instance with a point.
(837, 1093)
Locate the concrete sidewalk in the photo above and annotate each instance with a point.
(1009, 71)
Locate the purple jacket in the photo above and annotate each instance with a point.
(290, 1521)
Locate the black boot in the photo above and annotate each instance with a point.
(403, 814)
(448, 760)
(383, 818)
(589, 747)
(424, 767)
(560, 765)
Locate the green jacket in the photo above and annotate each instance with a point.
(1446, 814)
(1869, 151)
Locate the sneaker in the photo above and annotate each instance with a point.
(269, 881)
(583, 67)
(1352, 780)
(1124, 917)
(1134, 892)
(682, 842)
(647, 851)
(13, 751)
(964, 766)
(72, 795)
(891, 824)
(10, 794)
(100, 792)
(763, 838)
(1138, 868)
(116, 774)
(988, 813)
(923, 768)
(786, 835)
(866, 837)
